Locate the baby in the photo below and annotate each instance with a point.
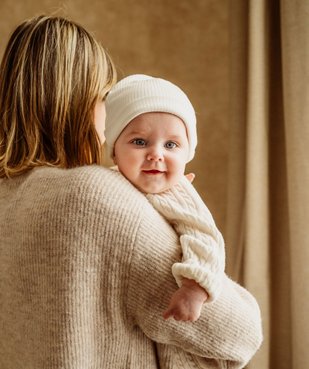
(151, 135)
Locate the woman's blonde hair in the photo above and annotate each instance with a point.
(52, 74)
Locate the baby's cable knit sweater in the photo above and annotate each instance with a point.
(202, 244)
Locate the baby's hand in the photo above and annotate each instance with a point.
(190, 177)
(187, 302)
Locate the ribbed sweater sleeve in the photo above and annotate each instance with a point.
(203, 254)
(228, 330)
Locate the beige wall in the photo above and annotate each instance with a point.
(180, 40)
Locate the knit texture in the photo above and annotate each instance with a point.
(203, 254)
(85, 274)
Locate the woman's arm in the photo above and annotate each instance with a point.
(228, 330)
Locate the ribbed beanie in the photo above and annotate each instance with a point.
(138, 94)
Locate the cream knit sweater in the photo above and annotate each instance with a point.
(85, 275)
(203, 254)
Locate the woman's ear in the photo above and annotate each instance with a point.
(114, 157)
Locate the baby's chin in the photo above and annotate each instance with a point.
(152, 191)
(156, 189)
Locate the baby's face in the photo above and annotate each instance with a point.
(152, 151)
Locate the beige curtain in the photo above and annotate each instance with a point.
(268, 195)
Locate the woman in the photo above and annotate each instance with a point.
(77, 239)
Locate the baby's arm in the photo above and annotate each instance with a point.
(202, 245)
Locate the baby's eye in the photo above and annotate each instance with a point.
(139, 142)
(170, 145)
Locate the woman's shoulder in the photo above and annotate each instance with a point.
(88, 176)
(89, 191)
(107, 186)
(87, 182)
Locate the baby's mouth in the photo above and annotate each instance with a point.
(152, 171)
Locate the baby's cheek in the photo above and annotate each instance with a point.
(174, 178)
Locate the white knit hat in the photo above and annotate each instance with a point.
(138, 94)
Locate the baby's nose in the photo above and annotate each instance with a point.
(155, 154)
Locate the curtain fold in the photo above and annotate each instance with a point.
(268, 181)
(295, 57)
